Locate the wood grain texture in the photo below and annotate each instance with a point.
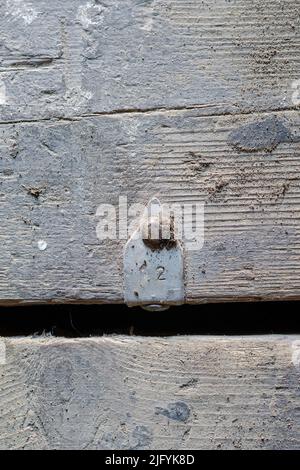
(251, 196)
(65, 59)
(188, 100)
(156, 393)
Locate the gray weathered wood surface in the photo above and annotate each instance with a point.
(188, 100)
(156, 393)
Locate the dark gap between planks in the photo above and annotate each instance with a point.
(96, 320)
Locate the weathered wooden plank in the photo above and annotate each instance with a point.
(65, 67)
(54, 175)
(78, 56)
(155, 393)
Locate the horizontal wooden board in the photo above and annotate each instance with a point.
(156, 393)
(78, 56)
(188, 100)
(54, 175)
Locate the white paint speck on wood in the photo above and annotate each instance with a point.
(20, 9)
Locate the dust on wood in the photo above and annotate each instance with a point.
(205, 393)
(201, 110)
